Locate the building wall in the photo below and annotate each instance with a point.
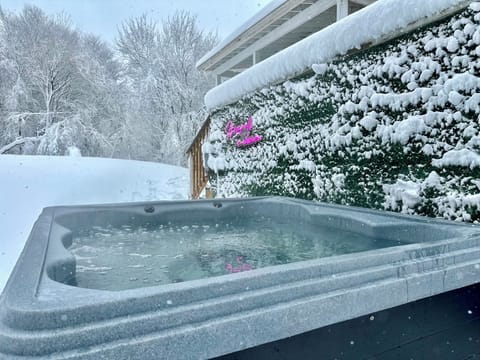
(393, 127)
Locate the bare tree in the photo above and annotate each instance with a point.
(138, 44)
(61, 88)
(39, 49)
(160, 65)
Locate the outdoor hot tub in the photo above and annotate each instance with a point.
(193, 280)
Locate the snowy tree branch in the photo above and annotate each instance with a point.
(17, 142)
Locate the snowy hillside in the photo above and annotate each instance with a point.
(30, 183)
(394, 127)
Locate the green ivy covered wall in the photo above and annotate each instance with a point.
(394, 127)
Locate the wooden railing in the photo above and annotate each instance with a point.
(198, 174)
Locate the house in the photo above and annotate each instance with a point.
(240, 74)
(388, 121)
(279, 25)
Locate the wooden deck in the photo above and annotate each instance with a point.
(198, 174)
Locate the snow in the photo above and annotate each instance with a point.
(475, 6)
(433, 180)
(473, 104)
(320, 69)
(369, 123)
(402, 194)
(402, 131)
(452, 44)
(463, 157)
(212, 151)
(216, 163)
(455, 98)
(30, 183)
(405, 195)
(73, 151)
(464, 82)
(369, 25)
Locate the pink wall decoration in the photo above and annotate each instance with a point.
(243, 132)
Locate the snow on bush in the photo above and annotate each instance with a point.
(464, 158)
(213, 156)
(394, 127)
(73, 151)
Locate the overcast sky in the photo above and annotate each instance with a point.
(102, 17)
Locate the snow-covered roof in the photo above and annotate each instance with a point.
(277, 26)
(369, 25)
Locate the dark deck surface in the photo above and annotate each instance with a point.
(445, 326)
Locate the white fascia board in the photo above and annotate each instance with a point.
(295, 22)
(240, 30)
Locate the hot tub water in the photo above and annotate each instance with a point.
(128, 257)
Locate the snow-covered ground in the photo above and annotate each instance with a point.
(30, 183)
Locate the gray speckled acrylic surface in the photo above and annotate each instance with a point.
(43, 315)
